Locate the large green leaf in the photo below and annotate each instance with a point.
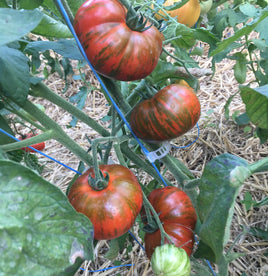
(40, 232)
(256, 101)
(51, 27)
(219, 185)
(14, 74)
(65, 47)
(14, 24)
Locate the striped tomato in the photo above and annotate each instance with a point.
(113, 46)
(113, 209)
(178, 216)
(171, 112)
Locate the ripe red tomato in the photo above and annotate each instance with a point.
(38, 146)
(112, 210)
(178, 216)
(188, 14)
(112, 47)
(171, 112)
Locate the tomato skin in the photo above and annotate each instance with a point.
(38, 146)
(188, 14)
(178, 216)
(170, 260)
(113, 49)
(170, 113)
(112, 210)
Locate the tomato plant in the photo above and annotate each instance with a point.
(178, 216)
(39, 146)
(188, 14)
(170, 260)
(37, 47)
(113, 46)
(171, 112)
(111, 210)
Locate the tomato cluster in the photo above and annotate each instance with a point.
(178, 216)
(121, 51)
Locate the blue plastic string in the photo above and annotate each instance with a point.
(64, 165)
(145, 151)
(108, 268)
(131, 234)
(187, 146)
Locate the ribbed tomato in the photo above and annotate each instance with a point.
(188, 14)
(112, 47)
(112, 210)
(171, 112)
(178, 216)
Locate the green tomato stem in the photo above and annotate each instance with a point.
(29, 141)
(67, 9)
(158, 221)
(58, 132)
(259, 166)
(41, 90)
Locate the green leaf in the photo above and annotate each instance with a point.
(74, 5)
(4, 139)
(65, 47)
(199, 269)
(248, 201)
(15, 24)
(219, 185)
(248, 28)
(261, 202)
(113, 251)
(259, 233)
(240, 67)
(51, 27)
(40, 231)
(242, 119)
(262, 29)
(256, 101)
(14, 74)
(30, 4)
(248, 9)
(262, 134)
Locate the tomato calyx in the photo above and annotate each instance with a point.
(136, 21)
(99, 182)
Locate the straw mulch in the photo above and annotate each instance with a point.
(217, 136)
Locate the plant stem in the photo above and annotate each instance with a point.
(58, 132)
(158, 221)
(41, 90)
(67, 9)
(28, 142)
(259, 166)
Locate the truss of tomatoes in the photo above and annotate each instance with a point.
(113, 46)
(178, 216)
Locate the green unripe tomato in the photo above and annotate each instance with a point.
(205, 6)
(169, 260)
